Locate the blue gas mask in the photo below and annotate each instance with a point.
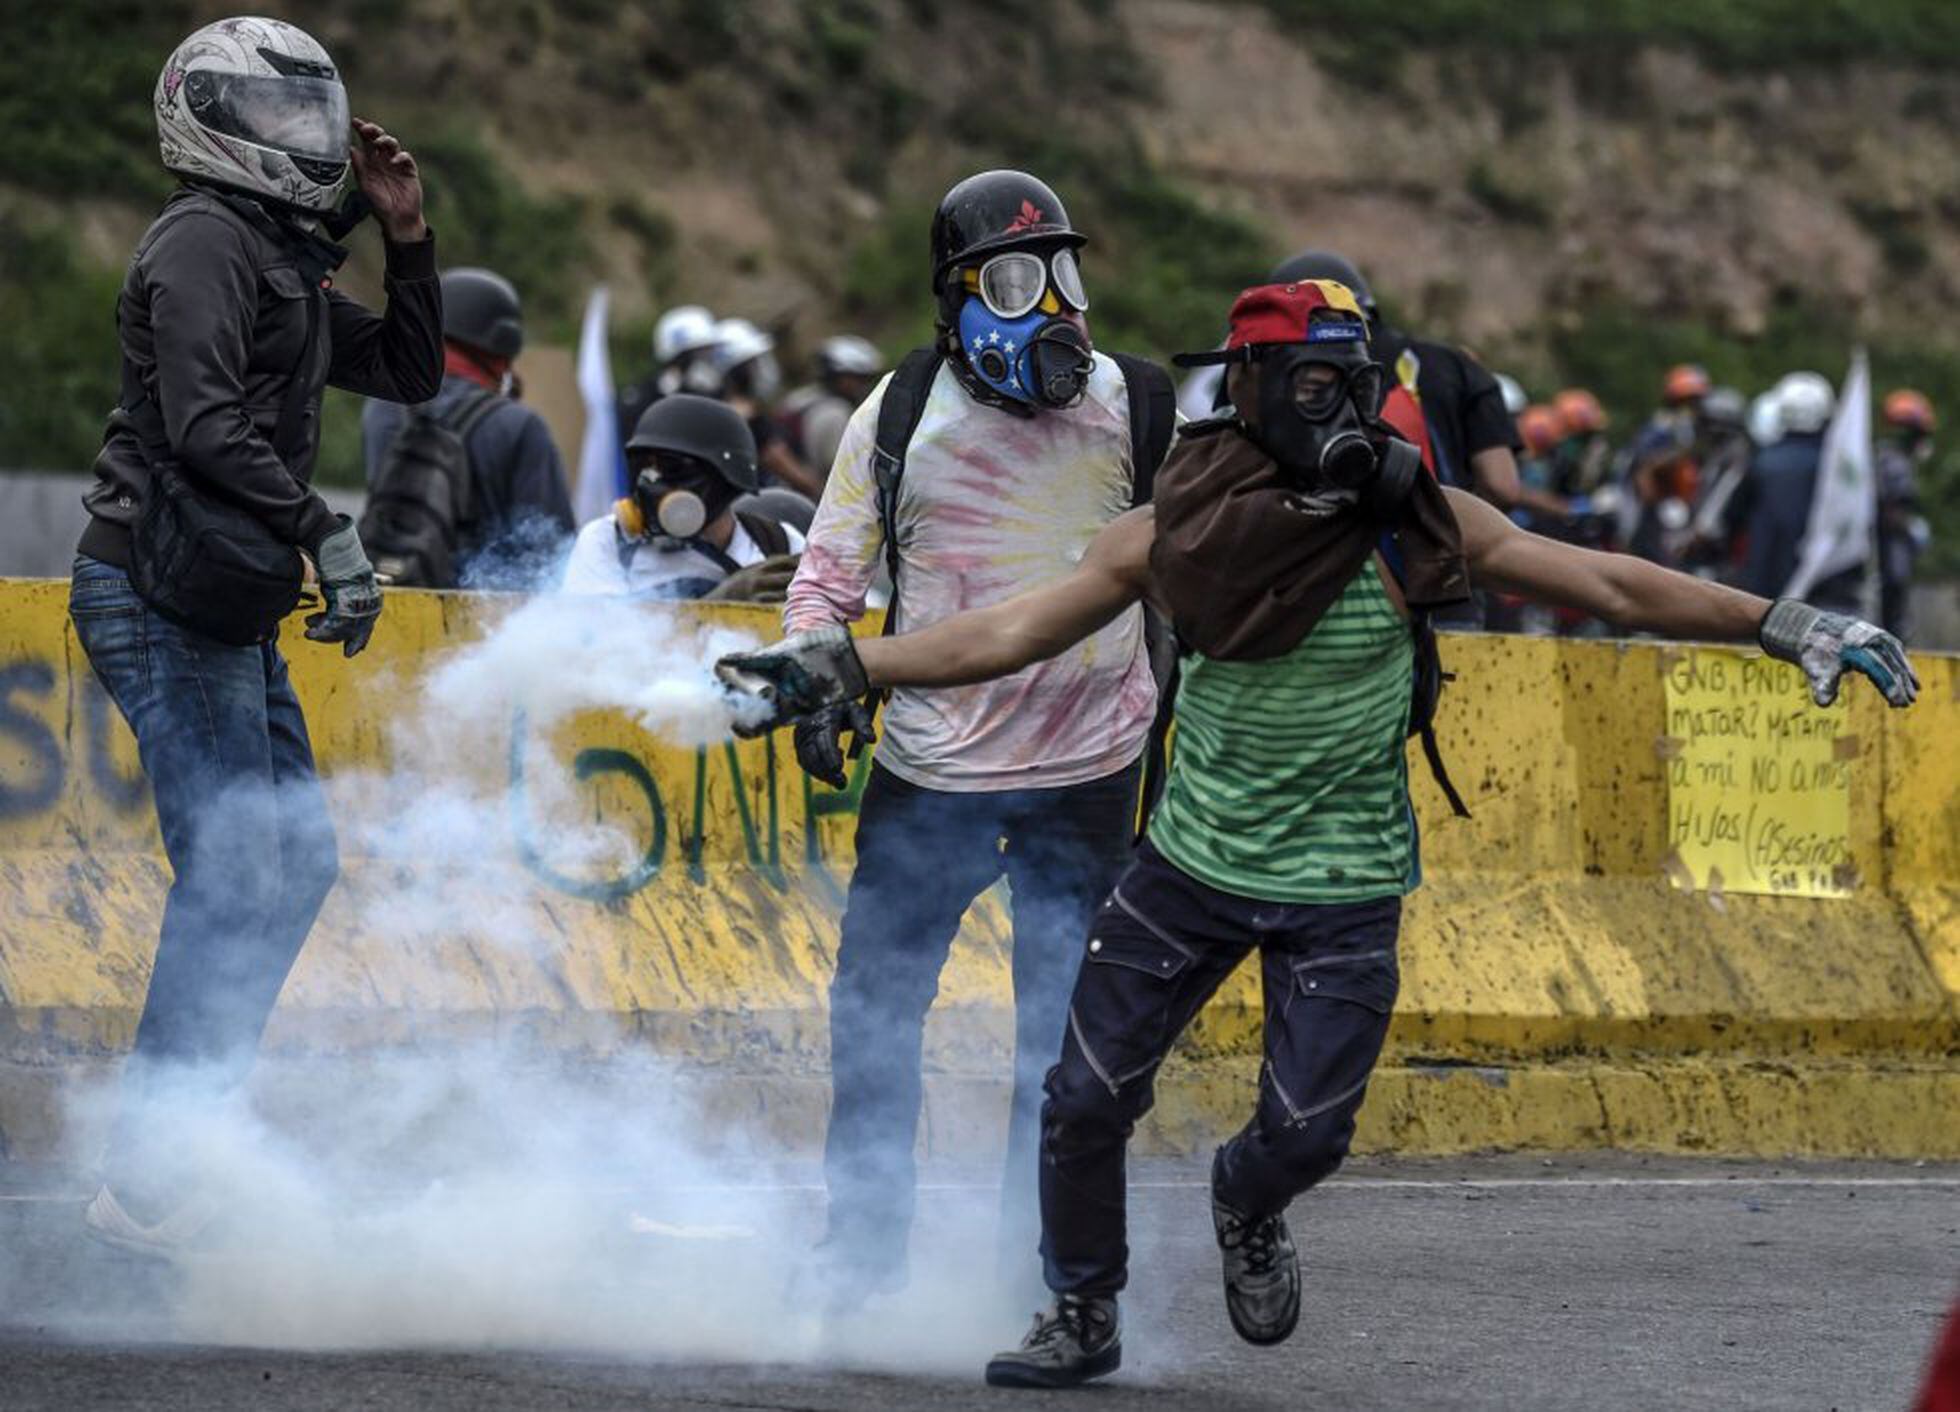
(1015, 332)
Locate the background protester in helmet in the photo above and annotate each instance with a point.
(744, 373)
(1662, 469)
(1774, 508)
(1905, 445)
(1724, 452)
(490, 486)
(229, 330)
(813, 417)
(1011, 443)
(682, 340)
(680, 534)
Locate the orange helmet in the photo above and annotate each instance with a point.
(1685, 382)
(1906, 408)
(1541, 428)
(1580, 411)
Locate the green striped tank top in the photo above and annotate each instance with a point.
(1289, 777)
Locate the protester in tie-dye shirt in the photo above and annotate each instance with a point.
(1021, 454)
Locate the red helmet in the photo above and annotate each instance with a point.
(1541, 428)
(1907, 408)
(1580, 411)
(1685, 382)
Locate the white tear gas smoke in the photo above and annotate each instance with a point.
(488, 1198)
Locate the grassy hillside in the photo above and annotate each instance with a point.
(1583, 191)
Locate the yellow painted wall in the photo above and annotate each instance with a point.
(1546, 931)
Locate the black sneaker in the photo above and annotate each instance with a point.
(1262, 1273)
(1073, 1340)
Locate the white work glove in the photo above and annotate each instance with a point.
(797, 677)
(1826, 645)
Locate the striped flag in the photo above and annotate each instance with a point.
(1844, 507)
(601, 467)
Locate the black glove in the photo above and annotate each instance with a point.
(347, 583)
(819, 743)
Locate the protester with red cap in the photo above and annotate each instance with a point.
(1296, 545)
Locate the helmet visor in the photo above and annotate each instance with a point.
(1012, 284)
(303, 117)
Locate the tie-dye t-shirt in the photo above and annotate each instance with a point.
(991, 505)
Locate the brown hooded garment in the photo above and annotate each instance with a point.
(1247, 564)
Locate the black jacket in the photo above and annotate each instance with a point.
(213, 316)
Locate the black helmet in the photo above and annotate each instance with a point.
(479, 308)
(703, 428)
(1325, 264)
(995, 211)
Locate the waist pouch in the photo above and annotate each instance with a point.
(209, 566)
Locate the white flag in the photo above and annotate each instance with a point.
(1845, 503)
(600, 466)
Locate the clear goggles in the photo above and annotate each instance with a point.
(1014, 284)
(1318, 388)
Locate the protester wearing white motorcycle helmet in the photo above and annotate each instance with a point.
(1773, 506)
(230, 331)
(814, 416)
(682, 339)
(746, 376)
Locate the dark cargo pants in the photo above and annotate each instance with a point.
(923, 855)
(1159, 948)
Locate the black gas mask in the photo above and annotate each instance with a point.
(674, 498)
(1319, 412)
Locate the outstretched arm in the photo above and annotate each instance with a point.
(823, 667)
(1027, 628)
(1633, 593)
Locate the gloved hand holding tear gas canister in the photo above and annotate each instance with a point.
(812, 677)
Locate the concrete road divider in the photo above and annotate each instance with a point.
(1570, 978)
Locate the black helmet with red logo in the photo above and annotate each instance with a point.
(992, 211)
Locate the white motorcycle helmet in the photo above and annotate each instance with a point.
(847, 353)
(684, 329)
(1805, 401)
(1765, 418)
(739, 345)
(257, 106)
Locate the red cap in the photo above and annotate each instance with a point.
(1284, 313)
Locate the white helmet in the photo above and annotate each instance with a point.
(684, 329)
(1514, 399)
(1805, 401)
(256, 105)
(737, 343)
(1765, 418)
(847, 353)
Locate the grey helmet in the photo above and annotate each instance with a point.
(256, 105)
(480, 310)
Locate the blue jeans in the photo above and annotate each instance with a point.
(923, 855)
(244, 823)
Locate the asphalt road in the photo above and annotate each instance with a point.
(1596, 1283)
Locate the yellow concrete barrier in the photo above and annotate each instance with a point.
(1558, 988)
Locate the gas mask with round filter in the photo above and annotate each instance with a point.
(674, 498)
(1021, 327)
(1319, 417)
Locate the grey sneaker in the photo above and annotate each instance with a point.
(1262, 1273)
(1075, 1339)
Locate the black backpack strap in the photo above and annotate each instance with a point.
(1427, 691)
(769, 535)
(1153, 420)
(899, 411)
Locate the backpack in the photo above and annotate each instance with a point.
(1153, 422)
(422, 498)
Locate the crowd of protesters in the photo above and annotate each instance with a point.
(1722, 486)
